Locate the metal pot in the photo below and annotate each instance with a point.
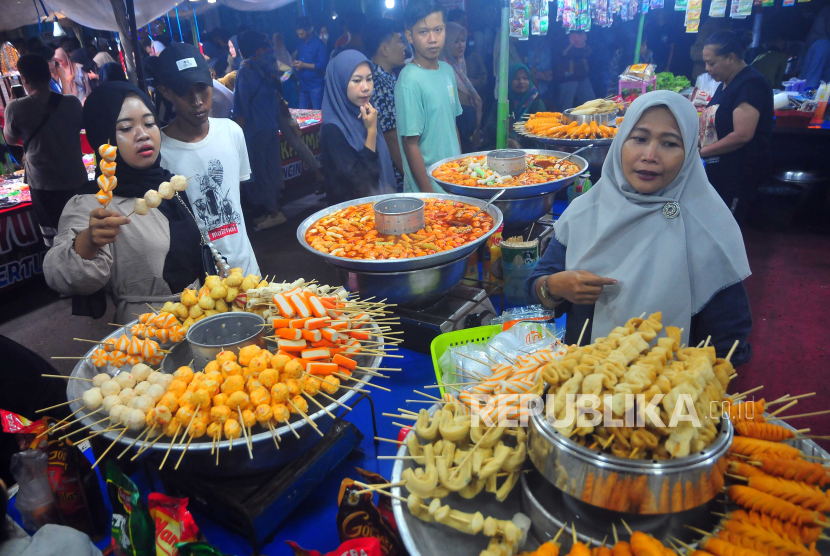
(514, 192)
(582, 473)
(406, 288)
(399, 215)
(225, 331)
(395, 265)
(507, 162)
(521, 213)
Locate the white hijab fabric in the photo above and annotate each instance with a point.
(673, 265)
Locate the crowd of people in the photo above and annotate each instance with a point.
(396, 97)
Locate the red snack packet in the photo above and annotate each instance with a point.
(368, 546)
(357, 516)
(384, 502)
(174, 524)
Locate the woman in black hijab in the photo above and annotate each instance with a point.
(139, 259)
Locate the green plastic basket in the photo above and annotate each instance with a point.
(478, 335)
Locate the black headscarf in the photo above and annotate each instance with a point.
(183, 264)
(81, 57)
(111, 72)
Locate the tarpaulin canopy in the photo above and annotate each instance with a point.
(98, 14)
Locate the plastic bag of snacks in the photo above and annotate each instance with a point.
(132, 526)
(638, 72)
(174, 524)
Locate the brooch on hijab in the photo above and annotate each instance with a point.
(671, 210)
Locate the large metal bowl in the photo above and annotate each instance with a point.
(394, 265)
(406, 288)
(514, 192)
(588, 475)
(234, 462)
(521, 213)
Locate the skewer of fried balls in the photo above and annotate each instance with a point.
(153, 198)
(107, 180)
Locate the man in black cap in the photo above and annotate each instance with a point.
(256, 104)
(212, 150)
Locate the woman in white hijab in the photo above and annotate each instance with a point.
(651, 235)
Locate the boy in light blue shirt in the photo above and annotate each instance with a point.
(426, 98)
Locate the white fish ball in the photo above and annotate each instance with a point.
(141, 388)
(110, 388)
(134, 419)
(116, 413)
(166, 190)
(111, 401)
(100, 379)
(152, 198)
(141, 207)
(140, 372)
(92, 399)
(156, 391)
(145, 403)
(165, 380)
(125, 380)
(127, 394)
(179, 183)
(154, 377)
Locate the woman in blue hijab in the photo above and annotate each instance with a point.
(355, 163)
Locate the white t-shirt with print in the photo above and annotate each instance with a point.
(218, 163)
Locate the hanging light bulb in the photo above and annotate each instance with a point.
(57, 30)
(211, 1)
(390, 4)
(334, 15)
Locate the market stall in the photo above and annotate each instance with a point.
(21, 246)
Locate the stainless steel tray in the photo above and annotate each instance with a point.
(237, 461)
(514, 192)
(431, 539)
(415, 263)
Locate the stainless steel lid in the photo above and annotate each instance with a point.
(800, 176)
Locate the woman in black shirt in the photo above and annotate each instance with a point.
(355, 163)
(737, 123)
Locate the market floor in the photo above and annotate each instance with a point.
(789, 292)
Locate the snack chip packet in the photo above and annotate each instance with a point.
(358, 516)
(174, 524)
(132, 526)
(369, 546)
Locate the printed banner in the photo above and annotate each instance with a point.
(680, 5)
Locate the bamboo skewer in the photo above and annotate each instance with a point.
(146, 447)
(128, 448)
(58, 405)
(428, 396)
(173, 441)
(68, 377)
(306, 394)
(290, 427)
(301, 412)
(57, 426)
(375, 488)
(732, 350)
(781, 409)
(273, 434)
(801, 415)
(790, 398)
(338, 402)
(388, 440)
(245, 432)
(94, 465)
(83, 429)
(584, 327)
(345, 377)
(189, 440)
